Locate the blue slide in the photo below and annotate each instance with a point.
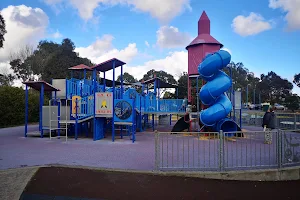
(213, 93)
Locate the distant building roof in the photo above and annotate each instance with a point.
(80, 67)
(108, 65)
(37, 85)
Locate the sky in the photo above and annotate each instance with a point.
(153, 34)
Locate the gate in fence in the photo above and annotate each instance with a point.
(220, 151)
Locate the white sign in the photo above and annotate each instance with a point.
(104, 103)
(237, 100)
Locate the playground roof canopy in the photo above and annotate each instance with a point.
(204, 39)
(161, 83)
(108, 65)
(37, 85)
(80, 67)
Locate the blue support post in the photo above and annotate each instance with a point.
(170, 119)
(104, 82)
(155, 87)
(94, 119)
(158, 103)
(84, 75)
(76, 119)
(143, 88)
(58, 118)
(41, 109)
(26, 111)
(113, 121)
(141, 117)
(121, 81)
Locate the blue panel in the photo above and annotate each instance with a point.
(124, 110)
(99, 125)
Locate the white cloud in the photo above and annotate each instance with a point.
(164, 11)
(102, 50)
(171, 37)
(56, 35)
(147, 44)
(250, 25)
(292, 8)
(24, 25)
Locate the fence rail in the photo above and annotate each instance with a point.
(289, 121)
(221, 151)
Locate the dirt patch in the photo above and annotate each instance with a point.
(87, 183)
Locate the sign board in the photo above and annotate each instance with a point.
(104, 103)
(61, 85)
(237, 100)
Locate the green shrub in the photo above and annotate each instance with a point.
(12, 106)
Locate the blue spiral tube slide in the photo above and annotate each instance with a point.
(213, 93)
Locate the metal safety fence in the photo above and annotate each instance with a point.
(283, 120)
(221, 151)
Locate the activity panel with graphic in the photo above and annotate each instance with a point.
(76, 105)
(123, 110)
(104, 103)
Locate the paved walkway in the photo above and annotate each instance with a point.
(15, 180)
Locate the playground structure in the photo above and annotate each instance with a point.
(97, 105)
(91, 104)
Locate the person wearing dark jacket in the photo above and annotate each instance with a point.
(268, 125)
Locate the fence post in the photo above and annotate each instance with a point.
(221, 151)
(255, 121)
(157, 150)
(279, 147)
(295, 121)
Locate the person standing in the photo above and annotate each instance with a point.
(268, 125)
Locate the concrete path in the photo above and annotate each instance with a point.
(13, 182)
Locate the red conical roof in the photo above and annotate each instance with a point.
(204, 36)
(204, 16)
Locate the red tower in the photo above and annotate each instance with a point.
(202, 45)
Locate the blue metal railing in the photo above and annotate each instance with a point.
(163, 105)
(79, 87)
(85, 107)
